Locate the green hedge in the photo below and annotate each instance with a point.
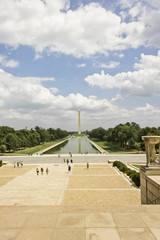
(135, 176)
(0, 163)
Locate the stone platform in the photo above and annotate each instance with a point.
(85, 204)
(80, 223)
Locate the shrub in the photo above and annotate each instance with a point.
(135, 176)
(129, 172)
(0, 163)
(123, 168)
(115, 163)
(136, 179)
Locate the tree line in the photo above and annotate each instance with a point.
(128, 135)
(11, 139)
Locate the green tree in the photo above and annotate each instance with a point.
(11, 141)
(44, 134)
(34, 138)
(98, 133)
(3, 148)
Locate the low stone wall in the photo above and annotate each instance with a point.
(150, 185)
(153, 191)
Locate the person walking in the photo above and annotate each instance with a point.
(41, 170)
(37, 171)
(87, 165)
(69, 168)
(47, 170)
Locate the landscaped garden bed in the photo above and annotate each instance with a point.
(133, 175)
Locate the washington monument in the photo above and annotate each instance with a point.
(79, 122)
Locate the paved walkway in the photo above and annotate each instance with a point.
(30, 189)
(37, 208)
(98, 185)
(80, 223)
(77, 158)
(100, 182)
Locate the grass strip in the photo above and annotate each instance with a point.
(113, 148)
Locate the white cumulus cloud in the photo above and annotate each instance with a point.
(25, 101)
(145, 81)
(90, 29)
(8, 63)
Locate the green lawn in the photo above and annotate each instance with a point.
(137, 166)
(112, 148)
(35, 149)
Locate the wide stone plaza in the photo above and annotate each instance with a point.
(98, 203)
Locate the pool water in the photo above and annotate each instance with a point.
(75, 145)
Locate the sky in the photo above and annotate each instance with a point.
(101, 57)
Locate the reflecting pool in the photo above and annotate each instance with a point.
(74, 145)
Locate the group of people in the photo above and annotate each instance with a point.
(69, 166)
(20, 163)
(71, 161)
(42, 171)
(47, 170)
(67, 161)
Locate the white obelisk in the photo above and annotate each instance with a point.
(79, 123)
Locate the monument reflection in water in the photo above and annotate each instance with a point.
(75, 145)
